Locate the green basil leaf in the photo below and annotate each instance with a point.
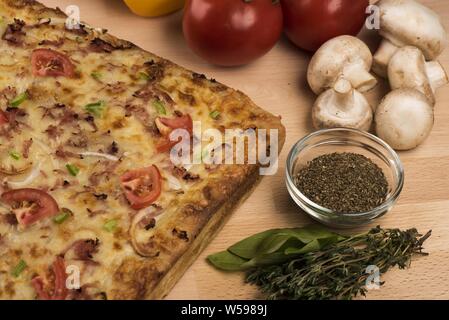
(315, 245)
(273, 250)
(310, 233)
(273, 247)
(266, 260)
(225, 260)
(272, 240)
(275, 242)
(248, 248)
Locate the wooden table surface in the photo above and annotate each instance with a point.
(277, 83)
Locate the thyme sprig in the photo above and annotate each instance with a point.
(339, 270)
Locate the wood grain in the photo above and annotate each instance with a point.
(277, 83)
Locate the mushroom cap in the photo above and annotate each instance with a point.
(407, 69)
(333, 58)
(331, 110)
(404, 119)
(407, 22)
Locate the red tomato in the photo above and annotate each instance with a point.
(166, 145)
(60, 291)
(51, 63)
(232, 32)
(142, 186)
(3, 118)
(310, 23)
(184, 122)
(30, 205)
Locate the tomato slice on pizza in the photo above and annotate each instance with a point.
(51, 63)
(30, 205)
(167, 125)
(59, 288)
(142, 186)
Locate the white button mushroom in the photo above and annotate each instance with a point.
(407, 22)
(344, 57)
(408, 69)
(404, 119)
(342, 106)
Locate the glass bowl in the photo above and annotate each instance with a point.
(345, 140)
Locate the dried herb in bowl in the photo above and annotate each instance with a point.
(343, 182)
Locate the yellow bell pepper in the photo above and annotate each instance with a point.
(154, 8)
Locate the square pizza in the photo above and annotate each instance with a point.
(117, 167)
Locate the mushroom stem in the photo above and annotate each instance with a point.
(359, 77)
(436, 74)
(342, 106)
(343, 96)
(382, 57)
